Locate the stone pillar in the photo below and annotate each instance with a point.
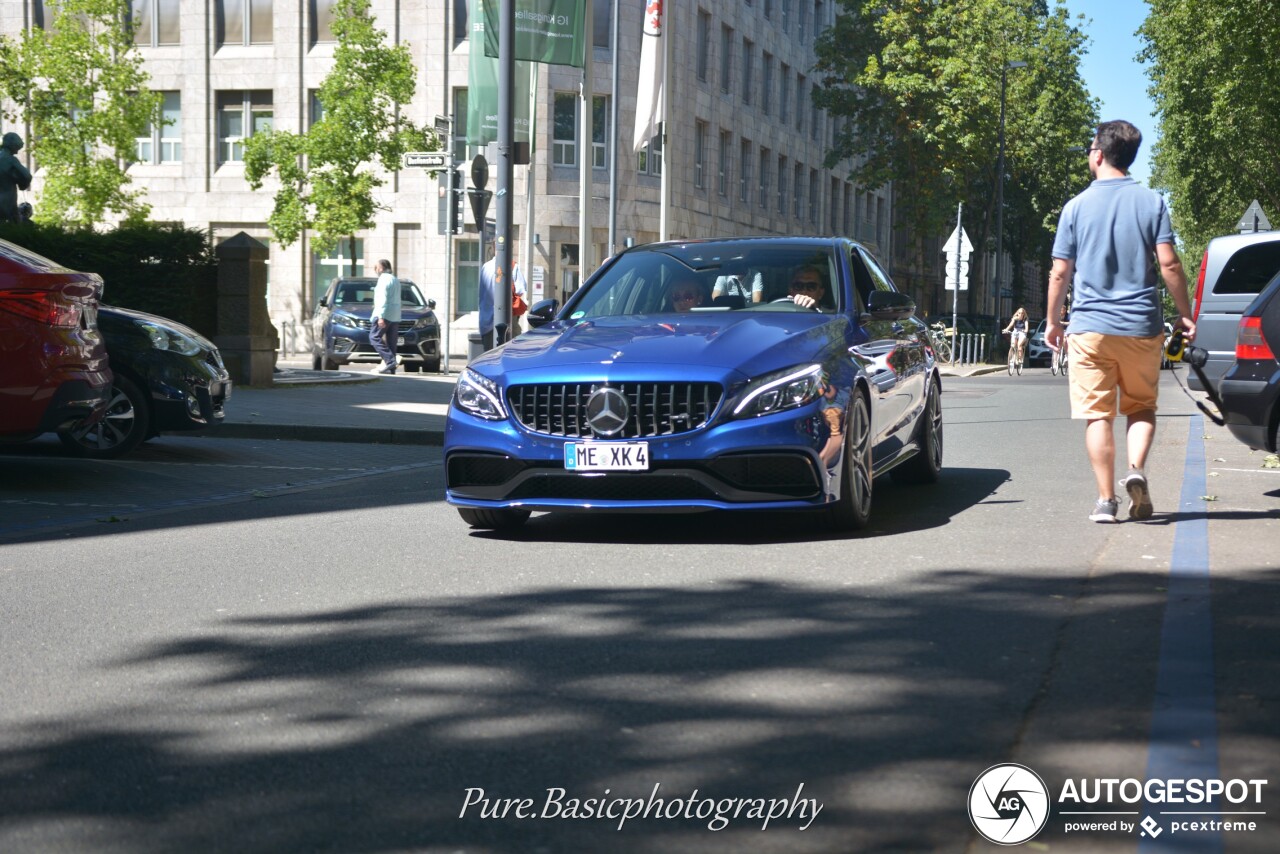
(246, 336)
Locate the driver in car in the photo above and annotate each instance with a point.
(808, 286)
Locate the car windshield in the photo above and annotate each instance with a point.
(712, 277)
(361, 293)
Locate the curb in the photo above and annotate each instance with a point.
(311, 433)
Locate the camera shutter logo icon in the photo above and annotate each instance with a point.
(1008, 804)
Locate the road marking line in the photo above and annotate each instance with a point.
(1184, 726)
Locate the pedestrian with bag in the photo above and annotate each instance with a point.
(384, 323)
(1110, 240)
(489, 278)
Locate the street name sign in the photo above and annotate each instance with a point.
(427, 159)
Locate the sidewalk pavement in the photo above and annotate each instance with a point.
(355, 405)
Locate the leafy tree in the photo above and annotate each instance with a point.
(80, 84)
(326, 180)
(1213, 67)
(917, 85)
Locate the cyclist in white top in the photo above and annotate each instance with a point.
(1017, 330)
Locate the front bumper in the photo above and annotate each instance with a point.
(766, 463)
(352, 345)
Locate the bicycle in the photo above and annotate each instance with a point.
(1017, 355)
(1058, 361)
(938, 339)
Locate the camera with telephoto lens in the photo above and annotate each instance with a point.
(1178, 350)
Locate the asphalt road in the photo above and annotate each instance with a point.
(243, 645)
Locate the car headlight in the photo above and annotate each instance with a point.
(348, 320)
(780, 390)
(425, 322)
(479, 396)
(165, 338)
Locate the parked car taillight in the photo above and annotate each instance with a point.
(47, 307)
(1250, 344)
(1204, 265)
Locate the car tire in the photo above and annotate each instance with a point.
(852, 510)
(328, 364)
(412, 367)
(124, 427)
(925, 466)
(431, 366)
(497, 520)
(316, 364)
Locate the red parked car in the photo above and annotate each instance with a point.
(53, 362)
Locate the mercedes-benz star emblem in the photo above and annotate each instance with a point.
(607, 411)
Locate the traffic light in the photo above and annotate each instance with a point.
(450, 212)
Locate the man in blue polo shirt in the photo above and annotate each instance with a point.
(1110, 239)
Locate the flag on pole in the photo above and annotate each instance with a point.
(653, 75)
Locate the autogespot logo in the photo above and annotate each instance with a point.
(1008, 804)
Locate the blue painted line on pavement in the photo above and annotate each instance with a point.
(1184, 727)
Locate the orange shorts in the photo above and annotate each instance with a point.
(1110, 368)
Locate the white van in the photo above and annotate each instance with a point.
(1234, 271)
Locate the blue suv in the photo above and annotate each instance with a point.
(340, 327)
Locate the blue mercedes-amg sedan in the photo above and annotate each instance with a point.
(769, 373)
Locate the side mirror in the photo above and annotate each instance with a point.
(431, 304)
(323, 303)
(890, 305)
(542, 312)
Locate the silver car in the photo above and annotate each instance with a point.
(1234, 271)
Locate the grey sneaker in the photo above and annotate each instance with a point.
(1104, 510)
(1139, 496)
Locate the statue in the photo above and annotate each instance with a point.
(13, 177)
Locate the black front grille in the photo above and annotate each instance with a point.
(656, 408)
(404, 325)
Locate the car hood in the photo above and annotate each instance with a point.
(115, 312)
(720, 342)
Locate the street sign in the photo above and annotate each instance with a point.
(427, 159)
(953, 275)
(479, 172)
(949, 245)
(1253, 220)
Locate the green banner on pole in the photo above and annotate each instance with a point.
(482, 90)
(547, 31)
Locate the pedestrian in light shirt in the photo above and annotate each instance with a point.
(384, 325)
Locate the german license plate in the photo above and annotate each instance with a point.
(606, 456)
(400, 341)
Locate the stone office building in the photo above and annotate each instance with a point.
(745, 143)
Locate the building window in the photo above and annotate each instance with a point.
(744, 170)
(461, 21)
(163, 144)
(156, 22)
(782, 185)
(726, 59)
(819, 18)
(797, 189)
(240, 116)
(600, 132)
(766, 85)
(321, 14)
(337, 263)
(748, 69)
(814, 196)
(317, 108)
(649, 158)
(800, 102)
(766, 160)
(726, 140)
(786, 16)
(699, 154)
(564, 146)
(833, 196)
(704, 44)
(768, 9)
(815, 121)
(459, 124)
(244, 22)
(467, 275)
(802, 24)
(602, 22)
(847, 212)
(784, 103)
(882, 224)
